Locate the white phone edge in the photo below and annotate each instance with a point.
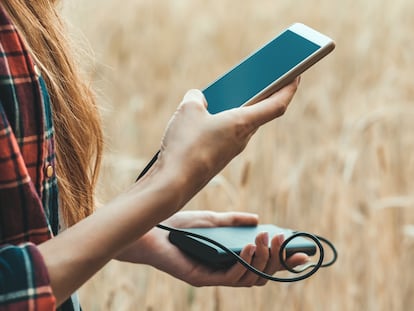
(326, 46)
(310, 34)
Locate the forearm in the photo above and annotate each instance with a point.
(188, 160)
(79, 252)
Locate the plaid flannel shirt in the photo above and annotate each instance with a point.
(28, 186)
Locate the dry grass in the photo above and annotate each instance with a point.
(339, 163)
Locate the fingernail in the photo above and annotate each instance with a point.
(191, 95)
(281, 238)
(195, 96)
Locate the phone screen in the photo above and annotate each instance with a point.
(258, 71)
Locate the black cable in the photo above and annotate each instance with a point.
(148, 166)
(313, 266)
(322, 252)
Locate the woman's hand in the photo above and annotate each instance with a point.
(197, 145)
(155, 249)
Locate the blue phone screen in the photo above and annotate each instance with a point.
(258, 71)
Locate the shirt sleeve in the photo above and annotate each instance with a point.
(24, 280)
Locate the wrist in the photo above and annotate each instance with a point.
(184, 173)
(167, 176)
(168, 181)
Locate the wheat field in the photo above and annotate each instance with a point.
(338, 163)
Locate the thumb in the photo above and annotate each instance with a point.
(273, 106)
(195, 96)
(236, 219)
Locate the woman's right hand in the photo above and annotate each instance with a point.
(198, 145)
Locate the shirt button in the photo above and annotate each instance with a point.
(49, 171)
(37, 70)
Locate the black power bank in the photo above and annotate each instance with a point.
(234, 238)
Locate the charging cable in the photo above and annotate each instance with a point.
(311, 268)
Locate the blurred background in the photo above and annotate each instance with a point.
(339, 163)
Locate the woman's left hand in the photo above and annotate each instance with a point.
(155, 249)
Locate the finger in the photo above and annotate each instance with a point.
(273, 264)
(273, 106)
(237, 271)
(260, 258)
(188, 219)
(196, 96)
(294, 260)
(297, 260)
(235, 219)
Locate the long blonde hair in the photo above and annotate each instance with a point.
(78, 133)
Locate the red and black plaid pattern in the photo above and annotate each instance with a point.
(25, 193)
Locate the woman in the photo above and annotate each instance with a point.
(50, 151)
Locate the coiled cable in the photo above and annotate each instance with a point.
(312, 267)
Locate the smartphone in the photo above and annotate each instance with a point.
(267, 70)
(234, 238)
